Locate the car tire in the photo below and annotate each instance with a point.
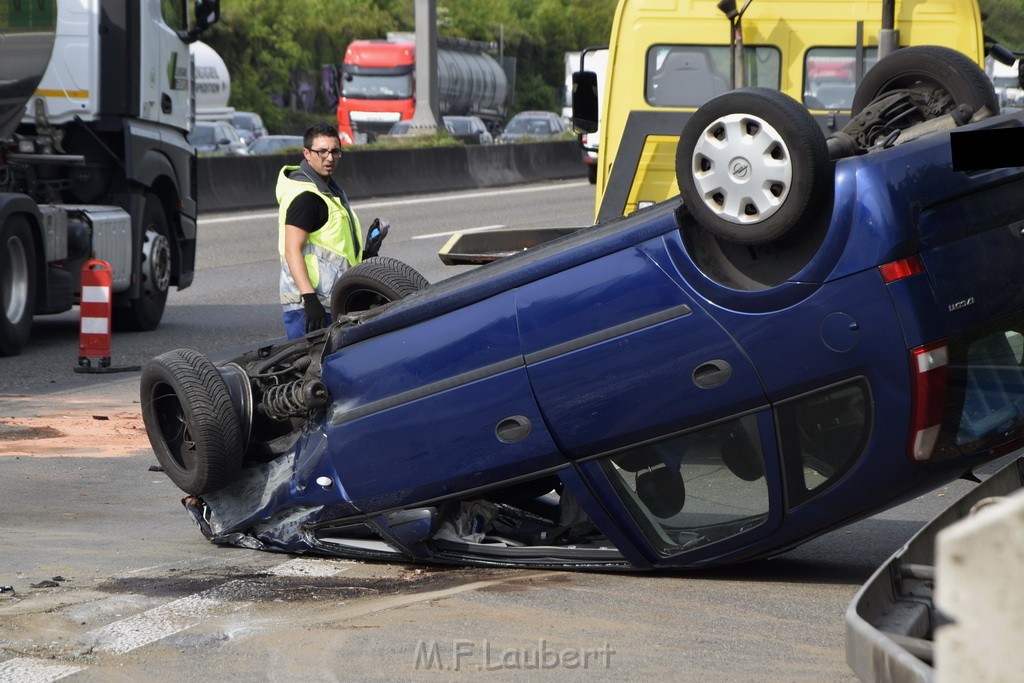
(592, 174)
(752, 166)
(192, 425)
(17, 284)
(372, 283)
(145, 312)
(928, 68)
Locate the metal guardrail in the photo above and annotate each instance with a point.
(891, 621)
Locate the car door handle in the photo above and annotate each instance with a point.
(512, 429)
(713, 373)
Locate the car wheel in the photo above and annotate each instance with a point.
(592, 174)
(372, 283)
(145, 312)
(946, 77)
(752, 166)
(191, 422)
(17, 284)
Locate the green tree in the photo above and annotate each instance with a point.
(1005, 22)
(264, 43)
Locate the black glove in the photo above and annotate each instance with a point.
(316, 316)
(374, 237)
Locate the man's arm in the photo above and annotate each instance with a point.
(294, 239)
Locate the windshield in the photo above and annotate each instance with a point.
(373, 87)
(529, 126)
(250, 121)
(202, 135)
(460, 125)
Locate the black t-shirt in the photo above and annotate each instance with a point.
(307, 211)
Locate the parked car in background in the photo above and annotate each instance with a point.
(249, 125)
(469, 129)
(401, 128)
(272, 144)
(216, 136)
(534, 125)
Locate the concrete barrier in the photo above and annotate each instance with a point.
(229, 183)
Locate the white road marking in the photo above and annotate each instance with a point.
(125, 635)
(157, 623)
(483, 228)
(26, 670)
(308, 567)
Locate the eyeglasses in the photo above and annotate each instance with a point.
(323, 153)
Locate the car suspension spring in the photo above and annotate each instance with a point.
(294, 399)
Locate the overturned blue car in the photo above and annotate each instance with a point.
(813, 331)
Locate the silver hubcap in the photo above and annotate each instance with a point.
(15, 279)
(156, 263)
(742, 168)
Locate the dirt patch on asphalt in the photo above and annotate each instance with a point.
(69, 429)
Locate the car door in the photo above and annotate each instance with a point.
(436, 408)
(649, 396)
(618, 353)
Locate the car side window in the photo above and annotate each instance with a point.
(694, 489)
(822, 434)
(173, 14)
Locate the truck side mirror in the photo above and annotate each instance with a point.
(207, 14)
(584, 102)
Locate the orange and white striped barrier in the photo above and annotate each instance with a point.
(96, 308)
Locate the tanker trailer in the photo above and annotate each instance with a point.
(471, 83)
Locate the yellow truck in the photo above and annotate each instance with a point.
(668, 57)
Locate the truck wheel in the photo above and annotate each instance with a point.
(17, 284)
(191, 422)
(374, 282)
(947, 77)
(752, 166)
(145, 312)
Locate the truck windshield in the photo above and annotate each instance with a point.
(377, 87)
(690, 75)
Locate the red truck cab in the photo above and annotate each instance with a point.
(377, 88)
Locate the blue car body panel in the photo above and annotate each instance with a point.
(598, 362)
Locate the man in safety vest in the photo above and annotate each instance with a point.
(318, 233)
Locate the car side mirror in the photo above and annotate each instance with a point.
(584, 102)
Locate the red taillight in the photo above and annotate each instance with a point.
(929, 366)
(898, 270)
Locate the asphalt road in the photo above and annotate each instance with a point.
(233, 302)
(110, 580)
